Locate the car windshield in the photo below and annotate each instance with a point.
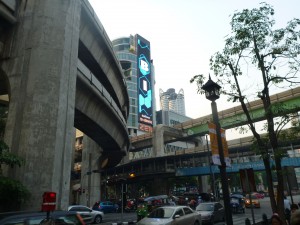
(161, 213)
(252, 196)
(234, 200)
(205, 207)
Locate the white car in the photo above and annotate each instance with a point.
(172, 215)
(88, 215)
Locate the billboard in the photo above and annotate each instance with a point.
(145, 115)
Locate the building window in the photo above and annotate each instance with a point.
(133, 120)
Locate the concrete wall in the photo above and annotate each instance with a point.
(41, 69)
(90, 176)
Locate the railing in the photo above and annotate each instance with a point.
(94, 82)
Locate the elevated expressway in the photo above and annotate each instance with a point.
(229, 118)
(58, 72)
(160, 165)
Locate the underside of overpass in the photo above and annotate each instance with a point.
(48, 95)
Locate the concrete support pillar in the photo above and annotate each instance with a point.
(41, 67)
(158, 141)
(90, 172)
(203, 184)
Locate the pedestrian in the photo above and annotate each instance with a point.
(295, 218)
(287, 204)
(287, 209)
(199, 200)
(275, 220)
(171, 202)
(192, 203)
(96, 205)
(294, 207)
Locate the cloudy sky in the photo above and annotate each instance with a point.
(183, 34)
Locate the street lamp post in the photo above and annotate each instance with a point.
(212, 176)
(212, 93)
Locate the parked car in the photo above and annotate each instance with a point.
(175, 215)
(254, 199)
(88, 215)
(265, 193)
(259, 195)
(106, 207)
(211, 212)
(55, 218)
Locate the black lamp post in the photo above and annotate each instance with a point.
(212, 93)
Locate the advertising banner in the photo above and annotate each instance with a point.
(214, 145)
(144, 83)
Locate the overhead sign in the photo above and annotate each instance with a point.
(214, 145)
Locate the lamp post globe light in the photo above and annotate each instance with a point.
(212, 93)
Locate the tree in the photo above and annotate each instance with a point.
(12, 192)
(272, 57)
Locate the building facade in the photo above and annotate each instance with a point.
(134, 54)
(172, 101)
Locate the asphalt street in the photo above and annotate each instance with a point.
(255, 214)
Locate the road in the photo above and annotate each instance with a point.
(238, 219)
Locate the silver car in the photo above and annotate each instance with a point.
(172, 215)
(211, 212)
(87, 214)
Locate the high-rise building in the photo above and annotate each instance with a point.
(171, 101)
(134, 54)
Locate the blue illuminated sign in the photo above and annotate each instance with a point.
(256, 166)
(144, 81)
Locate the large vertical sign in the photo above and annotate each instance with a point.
(214, 145)
(145, 115)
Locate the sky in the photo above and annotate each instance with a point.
(183, 35)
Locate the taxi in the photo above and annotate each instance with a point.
(254, 200)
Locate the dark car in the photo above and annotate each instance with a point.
(207, 197)
(211, 212)
(88, 215)
(40, 218)
(237, 203)
(106, 207)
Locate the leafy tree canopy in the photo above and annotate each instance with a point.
(12, 192)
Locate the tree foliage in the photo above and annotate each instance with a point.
(12, 192)
(257, 60)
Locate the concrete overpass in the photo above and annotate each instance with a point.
(58, 72)
(229, 118)
(155, 171)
